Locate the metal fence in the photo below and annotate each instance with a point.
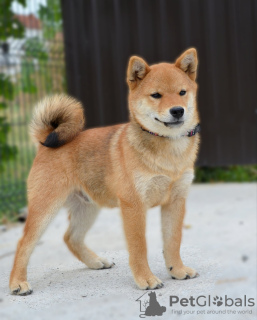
(101, 35)
(31, 66)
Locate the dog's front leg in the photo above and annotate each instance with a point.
(173, 213)
(134, 220)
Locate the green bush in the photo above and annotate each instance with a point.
(7, 152)
(226, 174)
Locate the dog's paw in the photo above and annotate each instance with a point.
(149, 283)
(22, 288)
(99, 263)
(182, 273)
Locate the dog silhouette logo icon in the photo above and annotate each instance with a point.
(150, 306)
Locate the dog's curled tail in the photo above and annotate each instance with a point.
(57, 120)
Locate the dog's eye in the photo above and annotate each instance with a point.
(182, 92)
(156, 95)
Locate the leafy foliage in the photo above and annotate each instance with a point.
(227, 174)
(51, 17)
(41, 71)
(6, 88)
(34, 48)
(6, 93)
(39, 52)
(10, 26)
(35, 54)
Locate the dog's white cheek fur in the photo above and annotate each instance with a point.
(146, 116)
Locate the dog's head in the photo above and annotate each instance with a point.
(152, 295)
(162, 97)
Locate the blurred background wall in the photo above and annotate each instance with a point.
(98, 37)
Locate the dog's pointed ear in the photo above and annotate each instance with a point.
(137, 70)
(187, 62)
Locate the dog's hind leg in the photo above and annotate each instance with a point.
(83, 214)
(44, 202)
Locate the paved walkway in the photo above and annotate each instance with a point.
(219, 241)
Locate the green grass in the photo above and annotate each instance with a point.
(227, 174)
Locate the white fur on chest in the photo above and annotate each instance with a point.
(152, 188)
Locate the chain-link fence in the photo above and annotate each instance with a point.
(31, 66)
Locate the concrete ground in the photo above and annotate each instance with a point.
(219, 240)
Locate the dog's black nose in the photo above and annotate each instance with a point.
(177, 112)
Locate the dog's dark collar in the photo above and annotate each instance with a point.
(191, 133)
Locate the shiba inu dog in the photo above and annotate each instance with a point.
(146, 162)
